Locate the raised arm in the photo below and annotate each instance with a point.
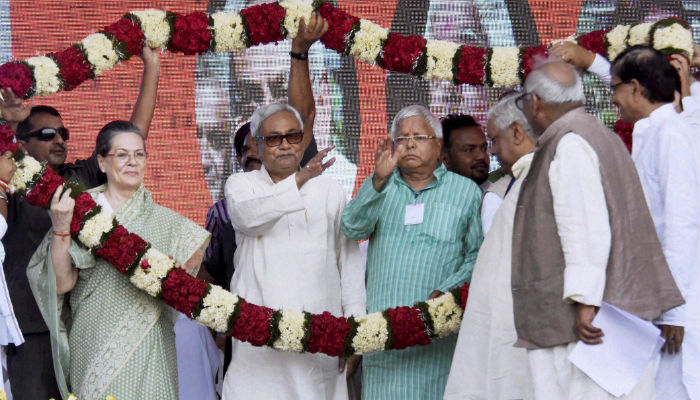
(299, 92)
(61, 213)
(146, 102)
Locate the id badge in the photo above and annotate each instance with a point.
(414, 214)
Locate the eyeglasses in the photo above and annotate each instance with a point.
(614, 87)
(419, 139)
(519, 100)
(48, 134)
(276, 140)
(123, 156)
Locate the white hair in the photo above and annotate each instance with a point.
(416, 111)
(551, 91)
(264, 112)
(505, 112)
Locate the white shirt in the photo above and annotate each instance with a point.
(9, 328)
(291, 254)
(582, 219)
(489, 205)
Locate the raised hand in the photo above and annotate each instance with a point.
(309, 34)
(61, 211)
(13, 108)
(583, 326)
(385, 162)
(7, 166)
(695, 61)
(682, 66)
(314, 167)
(573, 54)
(150, 57)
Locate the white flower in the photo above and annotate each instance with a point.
(150, 279)
(291, 328)
(440, 55)
(617, 41)
(46, 73)
(154, 26)
(368, 41)
(94, 227)
(639, 34)
(372, 333)
(100, 52)
(27, 168)
(674, 36)
(445, 313)
(295, 11)
(218, 304)
(505, 67)
(228, 32)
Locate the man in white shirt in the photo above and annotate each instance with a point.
(485, 363)
(582, 234)
(666, 154)
(291, 255)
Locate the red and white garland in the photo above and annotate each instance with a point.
(286, 330)
(364, 40)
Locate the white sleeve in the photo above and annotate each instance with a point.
(581, 214)
(351, 266)
(255, 208)
(489, 206)
(601, 68)
(691, 104)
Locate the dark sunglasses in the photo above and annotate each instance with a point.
(48, 134)
(276, 140)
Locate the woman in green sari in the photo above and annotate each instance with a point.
(107, 336)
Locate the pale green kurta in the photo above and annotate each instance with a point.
(405, 263)
(120, 341)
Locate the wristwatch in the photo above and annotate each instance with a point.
(300, 56)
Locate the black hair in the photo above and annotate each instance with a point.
(239, 138)
(455, 121)
(25, 127)
(653, 71)
(103, 143)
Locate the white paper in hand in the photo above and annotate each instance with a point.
(629, 345)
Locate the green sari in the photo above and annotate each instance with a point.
(110, 338)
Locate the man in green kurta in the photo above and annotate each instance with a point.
(425, 231)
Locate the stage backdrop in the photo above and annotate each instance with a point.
(203, 100)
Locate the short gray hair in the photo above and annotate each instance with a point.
(264, 112)
(505, 112)
(416, 110)
(552, 91)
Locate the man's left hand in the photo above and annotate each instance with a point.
(309, 34)
(150, 57)
(351, 362)
(436, 293)
(13, 108)
(673, 335)
(583, 326)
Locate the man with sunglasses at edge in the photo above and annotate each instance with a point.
(40, 132)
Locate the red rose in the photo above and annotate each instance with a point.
(327, 334)
(624, 131)
(145, 265)
(121, 249)
(264, 23)
(127, 32)
(528, 56)
(16, 76)
(182, 291)
(252, 324)
(191, 33)
(464, 294)
(340, 25)
(401, 52)
(6, 140)
(83, 204)
(407, 327)
(471, 66)
(594, 41)
(41, 193)
(73, 67)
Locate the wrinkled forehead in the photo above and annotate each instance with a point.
(416, 125)
(279, 123)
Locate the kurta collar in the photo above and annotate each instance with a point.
(522, 164)
(439, 174)
(657, 116)
(266, 175)
(554, 126)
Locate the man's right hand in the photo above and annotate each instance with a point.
(385, 162)
(583, 327)
(314, 167)
(673, 336)
(307, 35)
(13, 108)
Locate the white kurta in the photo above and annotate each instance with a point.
(666, 153)
(485, 364)
(198, 360)
(9, 328)
(583, 225)
(291, 254)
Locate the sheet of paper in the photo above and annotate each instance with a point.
(629, 345)
(414, 214)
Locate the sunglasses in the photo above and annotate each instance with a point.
(48, 134)
(276, 140)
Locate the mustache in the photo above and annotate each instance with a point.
(58, 146)
(480, 164)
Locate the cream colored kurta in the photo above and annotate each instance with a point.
(485, 364)
(291, 254)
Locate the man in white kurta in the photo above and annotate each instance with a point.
(485, 364)
(666, 153)
(291, 255)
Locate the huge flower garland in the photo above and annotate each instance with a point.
(155, 273)
(271, 22)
